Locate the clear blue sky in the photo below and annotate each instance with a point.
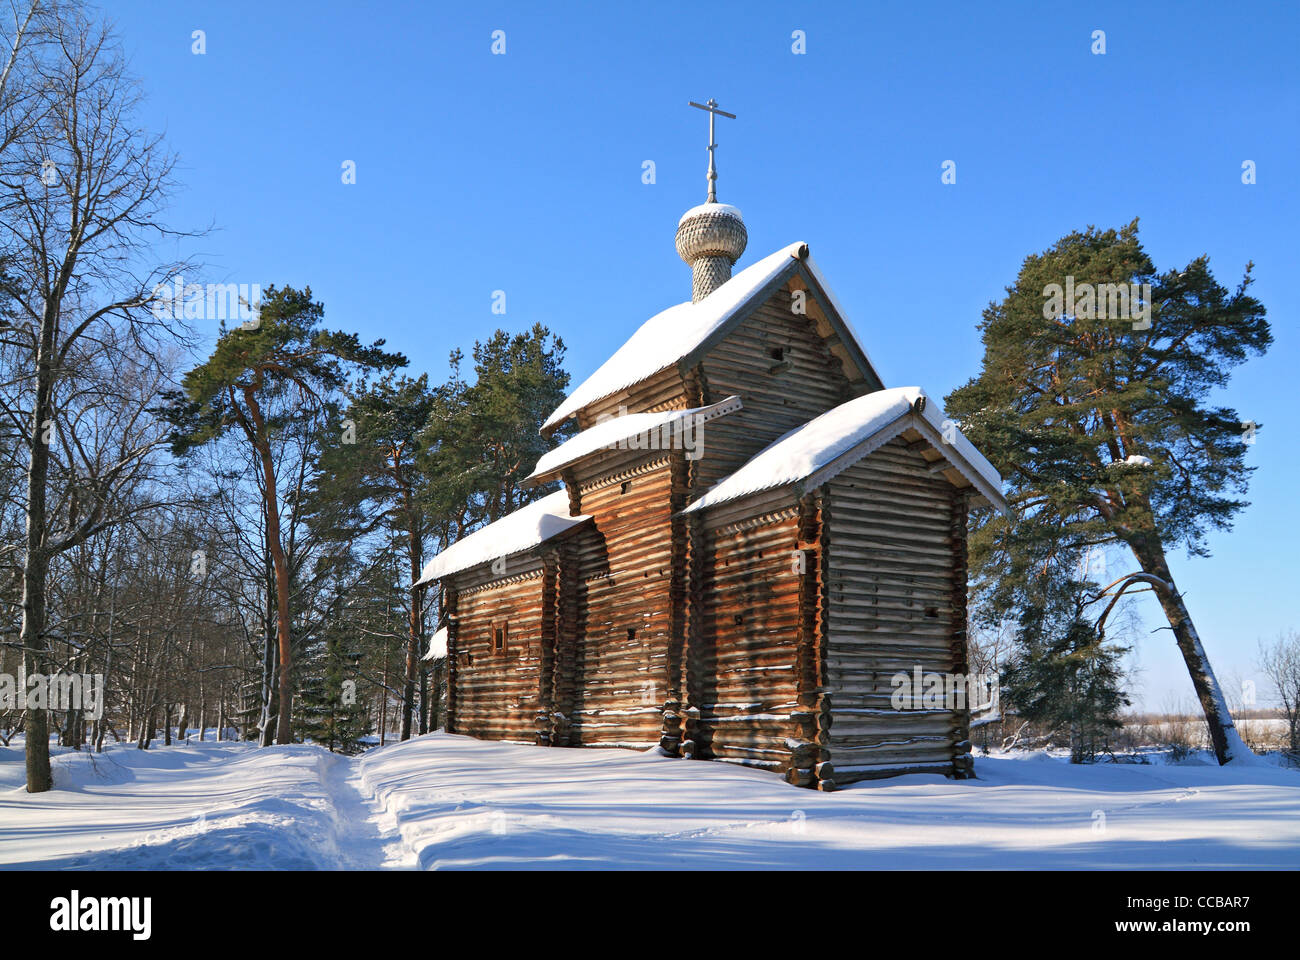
(522, 172)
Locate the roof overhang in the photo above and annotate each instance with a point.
(617, 433)
(810, 455)
(520, 532)
(914, 421)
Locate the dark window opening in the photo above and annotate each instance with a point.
(932, 612)
(625, 486)
(500, 637)
(631, 634)
(780, 363)
(739, 620)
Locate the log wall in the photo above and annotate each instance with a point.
(663, 391)
(895, 544)
(764, 632)
(781, 367)
(622, 637)
(743, 647)
(491, 695)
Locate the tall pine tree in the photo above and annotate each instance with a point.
(1105, 428)
(375, 476)
(259, 379)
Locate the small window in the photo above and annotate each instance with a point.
(500, 638)
(779, 363)
(740, 621)
(625, 486)
(631, 634)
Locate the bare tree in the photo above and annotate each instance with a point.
(23, 34)
(1280, 662)
(83, 188)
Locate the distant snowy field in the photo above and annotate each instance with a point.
(451, 802)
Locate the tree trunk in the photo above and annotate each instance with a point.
(424, 700)
(435, 698)
(271, 503)
(283, 732)
(415, 625)
(266, 735)
(1228, 744)
(383, 700)
(412, 655)
(35, 562)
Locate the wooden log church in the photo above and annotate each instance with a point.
(752, 537)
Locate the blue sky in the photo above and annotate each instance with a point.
(522, 172)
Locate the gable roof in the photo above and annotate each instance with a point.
(610, 432)
(679, 334)
(527, 527)
(845, 434)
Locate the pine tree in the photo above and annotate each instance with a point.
(1104, 428)
(332, 713)
(260, 379)
(1062, 674)
(483, 439)
(374, 482)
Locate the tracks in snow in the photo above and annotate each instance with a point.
(364, 836)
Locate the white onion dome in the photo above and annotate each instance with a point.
(710, 238)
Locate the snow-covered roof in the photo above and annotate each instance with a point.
(647, 428)
(808, 448)
(437, 645)
(674, 333)
(526, 527)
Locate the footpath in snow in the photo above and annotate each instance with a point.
(196, 806)
(443, 801)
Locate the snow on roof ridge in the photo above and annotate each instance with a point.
(611, 431)
(672, 334)
(526, 527)
(803, 451)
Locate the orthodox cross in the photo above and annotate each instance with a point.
(712, 107)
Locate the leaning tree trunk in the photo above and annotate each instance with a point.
(1227, 742)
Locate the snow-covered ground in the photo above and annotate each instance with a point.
(446, 801)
